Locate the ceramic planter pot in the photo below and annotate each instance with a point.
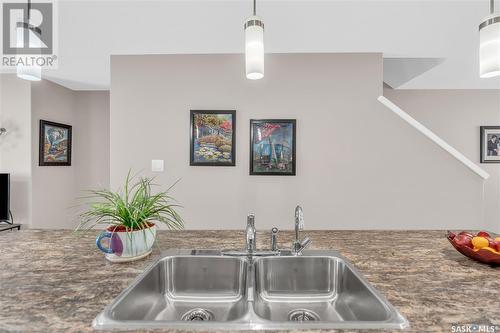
(120, 245)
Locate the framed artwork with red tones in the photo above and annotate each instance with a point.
(272, 147)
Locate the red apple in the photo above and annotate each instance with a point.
(463, 240)
(466, 233)
(490, 241)
(495, 245)
(483, 234)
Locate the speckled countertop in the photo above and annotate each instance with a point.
(57, 281)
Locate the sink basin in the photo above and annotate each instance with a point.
(198, 289)
(318, 291)
(181, 290)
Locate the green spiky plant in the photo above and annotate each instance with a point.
(133, 208)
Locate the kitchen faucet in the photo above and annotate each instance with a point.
(251, 242)
(298, 245)
(274, 239)
(251, 236)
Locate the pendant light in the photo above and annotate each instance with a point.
(254, 46)
(24, 29)
(489, 44)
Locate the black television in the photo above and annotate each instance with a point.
(4, 196)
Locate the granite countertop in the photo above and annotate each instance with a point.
(57, 281)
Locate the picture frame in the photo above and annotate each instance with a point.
(212, 138)
(490, 144)
(55, 144)
(273, 147)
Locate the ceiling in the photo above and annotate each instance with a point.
(426, 44)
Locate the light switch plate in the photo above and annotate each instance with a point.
(157, 165)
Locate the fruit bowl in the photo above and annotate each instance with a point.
(464, 245)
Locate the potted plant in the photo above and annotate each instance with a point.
(130, 217)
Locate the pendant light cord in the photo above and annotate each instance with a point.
(492, 6)
(29, 11)
(255, 7)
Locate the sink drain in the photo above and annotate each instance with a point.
(198, 315)
(302, 315)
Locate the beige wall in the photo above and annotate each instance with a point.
(53, 187)
(15, 145)
(92, 145)
(358, 165)
(57, 188)
(456, 116)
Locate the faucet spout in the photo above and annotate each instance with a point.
(299, 217)
(298, 246)
(299, 222)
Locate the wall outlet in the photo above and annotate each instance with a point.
(157, 165)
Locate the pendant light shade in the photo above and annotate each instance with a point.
(254, 46)
(489, 45)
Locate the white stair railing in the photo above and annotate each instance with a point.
(433, 137)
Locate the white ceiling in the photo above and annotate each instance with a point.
(444, 33)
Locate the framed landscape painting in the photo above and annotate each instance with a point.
(272, 147)
(213, 138)
(490, 144)
(55, 144)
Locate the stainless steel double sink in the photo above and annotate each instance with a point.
(190, 289)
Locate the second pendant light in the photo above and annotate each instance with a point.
(489, 44)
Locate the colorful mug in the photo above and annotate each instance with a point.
(126, 243)
(113, 243)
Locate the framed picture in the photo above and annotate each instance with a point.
(490, 144)
(55, 144)
(272, 147)
(213, 138)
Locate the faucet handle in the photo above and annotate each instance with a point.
(301, 245)
(305, 242)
